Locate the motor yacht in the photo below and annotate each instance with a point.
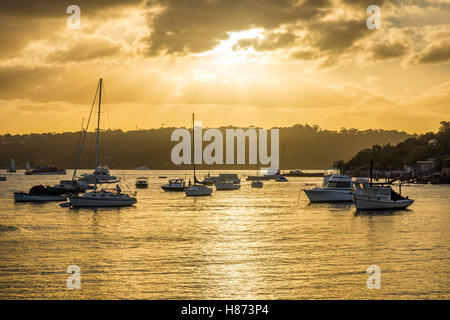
(368, 196)
(337, 188)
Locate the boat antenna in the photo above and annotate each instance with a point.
(98, 123)
(371, 171)
(193, 145)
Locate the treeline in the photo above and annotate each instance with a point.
(407, 153)
(301, 146)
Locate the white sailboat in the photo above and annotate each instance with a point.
(102, 198)
(196, 189)
(12, 166)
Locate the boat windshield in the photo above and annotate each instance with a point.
(338, 184)
(331, 171)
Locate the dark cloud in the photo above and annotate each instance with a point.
(437, 53)
(336, 35)
(270, 41)
(199, 25)
(52, 8)
(387, 51)
(364, 3)
(304, 55)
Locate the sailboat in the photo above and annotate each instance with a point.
(257, 183)
(12, 166)
(279, 177)
(102, 198)
(196, 189)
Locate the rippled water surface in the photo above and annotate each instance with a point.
(249, 244)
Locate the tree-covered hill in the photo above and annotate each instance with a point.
(407, 153)
(301, 146)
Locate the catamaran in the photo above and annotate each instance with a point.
(104, 197)
(196, 189)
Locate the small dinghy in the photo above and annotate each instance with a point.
(142, 182)
(39, 194)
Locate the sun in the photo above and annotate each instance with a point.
(225, 54)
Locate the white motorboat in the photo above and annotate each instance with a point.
(337, 188)
(12, 166)
(100, 175)
(71, 186)
(102, 198)
(368, 196)
(226, 185)
(174, 185)
(142, 182)
(197, 189)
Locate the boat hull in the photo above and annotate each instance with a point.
(257, 184)
(172, 188)
(321, 195)
(78, 202)
(227, 186)
(23, 197)
(198, 192)
(371, 203)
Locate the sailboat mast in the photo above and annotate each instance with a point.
(98, 124)
(193, 145)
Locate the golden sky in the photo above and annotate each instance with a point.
(232, 62)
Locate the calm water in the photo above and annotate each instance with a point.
(248, 244)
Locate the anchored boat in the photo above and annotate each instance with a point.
(174, 185)
(39, 194)
(196, 189)
(102, 198)
(336, 188)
